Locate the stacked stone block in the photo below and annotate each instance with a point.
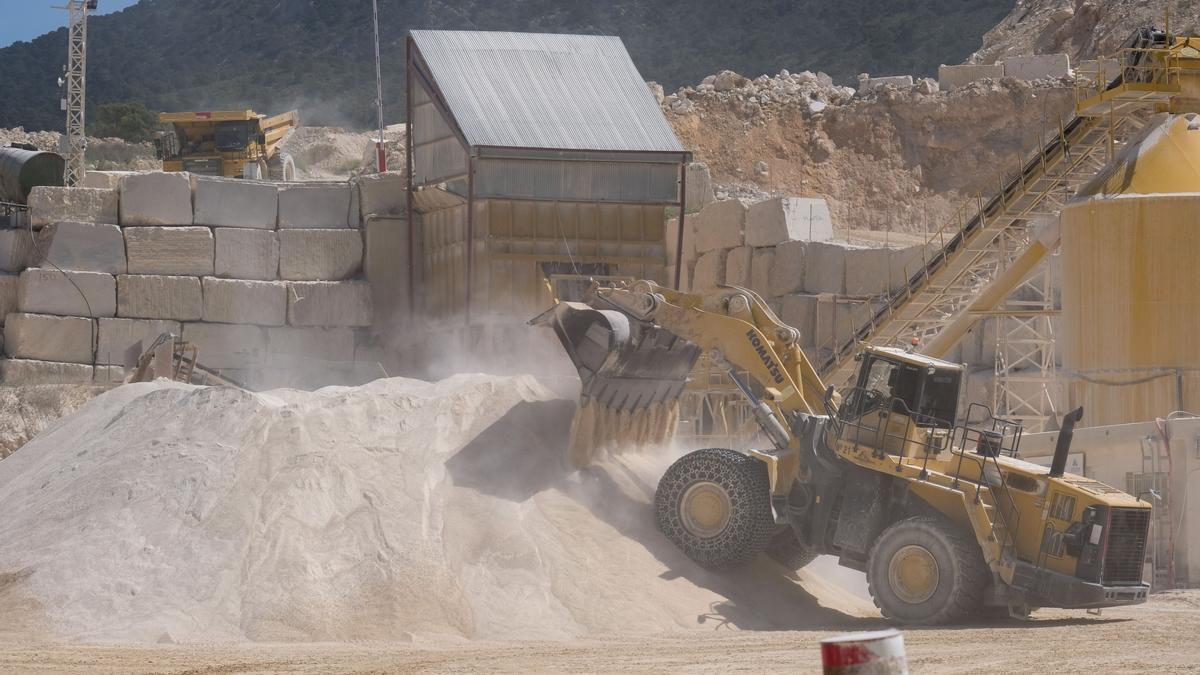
(783, 250)
(265, 279)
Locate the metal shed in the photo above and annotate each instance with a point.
(548, 153)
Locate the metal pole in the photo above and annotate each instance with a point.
(380, 147)
(682, 219)
(76, 81)
(408, 179)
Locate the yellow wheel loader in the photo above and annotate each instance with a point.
(234, 144)
(891, 477)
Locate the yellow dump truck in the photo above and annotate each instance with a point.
(234, 144)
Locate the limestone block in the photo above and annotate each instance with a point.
(15, 250)
(118, 335)
(80, 205)
(240, 301)
(386, 265)
(316, 206)
(978, 387)
(788, 219)
(222, 345)
(329, 303)
(156, 198)
(868, 271)
(319, 255)
(787, 269)
(159, 297)
(719, 225)
(699, 187)
(382, 194)
(1037, 66)
(170, 250)
(737, 266)
(246, 254)
(671, 239)
(49, 338)
(952, 77)
(761, 261)
(9, 294)
(710, 270)
(290, 346)
(906, 262)
(232, 202)
(800, 312)
(49, 291)
(104, 180)
(27, 372)
(867, 83)
(836, 321)
(825, 268)
(979, 344)
(84, 247)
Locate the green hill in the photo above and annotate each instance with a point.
(317, 55)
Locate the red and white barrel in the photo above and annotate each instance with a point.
(879, 652)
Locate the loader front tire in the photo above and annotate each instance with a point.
(715, 505)
(927, 571)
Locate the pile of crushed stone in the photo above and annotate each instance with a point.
(397, 510)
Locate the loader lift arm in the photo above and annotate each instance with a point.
(734, 324)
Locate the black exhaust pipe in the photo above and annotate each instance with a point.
(1063, 446)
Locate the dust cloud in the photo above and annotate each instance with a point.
(398, 510)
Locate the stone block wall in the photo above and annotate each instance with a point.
(265, 279)
(783, 249)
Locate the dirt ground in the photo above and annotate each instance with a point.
(1158, 636)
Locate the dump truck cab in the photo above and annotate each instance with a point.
(233, 144)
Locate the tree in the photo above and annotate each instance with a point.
(129, 120)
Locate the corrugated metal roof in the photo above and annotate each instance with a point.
(536, 90)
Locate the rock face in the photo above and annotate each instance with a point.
(719, 225)
(49, 291)
(49, 338)
(329, 303)
(382, 194)
(118, 335)
(319, 255)
(159, 297)
(246, 254)
(228, 346)
(788, 219)
(156, 199)
(85, 247)
(232, 202)
(170, 250)
(82, 205)
(262, 303)
(301, 346)
(317, 206)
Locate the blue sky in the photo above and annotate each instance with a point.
(27, 19)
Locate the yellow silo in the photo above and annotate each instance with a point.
(1131, 280)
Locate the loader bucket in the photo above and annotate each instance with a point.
(632, 375)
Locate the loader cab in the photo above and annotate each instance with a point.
(900, 397)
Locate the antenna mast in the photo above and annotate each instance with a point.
(76, 80)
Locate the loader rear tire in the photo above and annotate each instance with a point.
(715, 505)
(281, 168)
(928, 571)
(787, 550)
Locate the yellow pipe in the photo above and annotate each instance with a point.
(995, 292)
